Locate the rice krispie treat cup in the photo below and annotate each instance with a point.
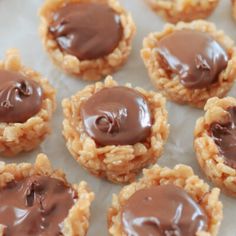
(166, 202)
(87, 38)
(190, 73)
(38, 200)
(114, 131)
(27, 102)
(183, 10)
(215, 144)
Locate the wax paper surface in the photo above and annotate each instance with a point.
(19, 24)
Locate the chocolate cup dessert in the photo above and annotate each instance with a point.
(214, 143)
(190, 75)
(166, 202)
(89, 39)
(27, 102)
(114, 131)
(183, 10)
(37, 200)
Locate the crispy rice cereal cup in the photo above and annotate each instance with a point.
(183, 10)
(171, 87)
(210, 155)
(117, 163)
(182, 176)
(77, 221)
(88, 69)
(18, 137)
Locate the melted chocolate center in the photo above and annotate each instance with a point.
(164, 210)
(117, 116)
(225, 137)
(35, 206)
(86, 30)
(198, 64)
(20, 98)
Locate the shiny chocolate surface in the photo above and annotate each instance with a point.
(165, 210)
(196, 57)
(117, 116)
(86, 30)
(20, 97)
(35, 206)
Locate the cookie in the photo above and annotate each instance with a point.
(190, 74)
(27, 103)
(45, 203)
(166, 202)
(114, 131)
(85, 38)
(214, 143)
(183, 10)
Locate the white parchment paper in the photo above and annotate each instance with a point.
(19, 23)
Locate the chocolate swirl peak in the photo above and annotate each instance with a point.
(86, 30)
(20, 98)
(198, 64)
(224, 135)
(164, 210)
(35, 206)
(116, 116)
(109, 122)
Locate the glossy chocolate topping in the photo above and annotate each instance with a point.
(117, 116)
(20, 98)
(162, 211)
(35, 206)
(195, 56)
(86, 30)
(225, 137)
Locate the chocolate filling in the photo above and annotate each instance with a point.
(86, 30)
(194, 56)
(20, 98)
(224, 135)
(164, 210)
(35, 206)
(117, 116)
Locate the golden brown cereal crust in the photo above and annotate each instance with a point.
(77, 221)
(181, 176)
(116, 163)
(87, 69)
(183, 10)
(18, 137)
(172, 88)
(234, 8)
(208, 155)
